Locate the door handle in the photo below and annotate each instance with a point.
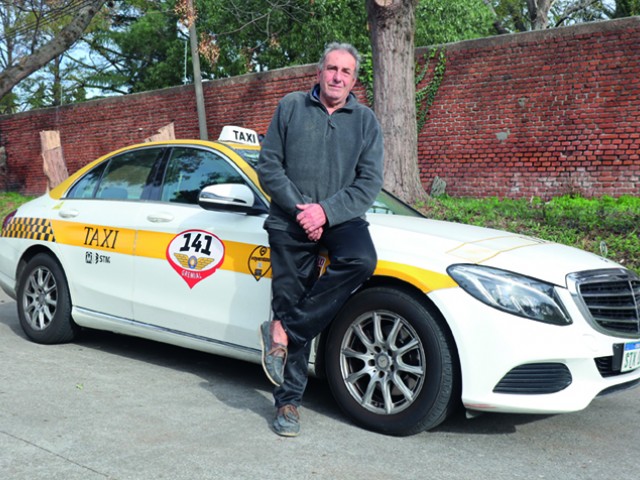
(161, 217)
(69, 213)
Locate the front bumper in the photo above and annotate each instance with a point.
(515, 365)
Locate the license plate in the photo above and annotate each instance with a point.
(630, 356)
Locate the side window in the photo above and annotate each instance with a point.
(86, 186)
(190, 170)
(126, 175)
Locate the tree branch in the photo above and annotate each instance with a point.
(573, 8)
(496, 23)
(59, 44)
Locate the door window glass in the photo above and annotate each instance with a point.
(86, 186)
(190, 170)
(127, 175)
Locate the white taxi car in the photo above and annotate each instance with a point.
(165, 241)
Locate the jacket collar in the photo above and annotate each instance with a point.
(314, 94)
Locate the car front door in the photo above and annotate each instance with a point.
(198, 272)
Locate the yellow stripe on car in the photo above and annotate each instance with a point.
(239, 257)
(425, 280)
(101, 237)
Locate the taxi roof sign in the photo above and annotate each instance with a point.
(235, 134)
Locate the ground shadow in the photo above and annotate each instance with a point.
(242, 385)
(486, 423)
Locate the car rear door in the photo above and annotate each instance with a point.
(96, 231)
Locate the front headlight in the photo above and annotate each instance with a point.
(511, 293)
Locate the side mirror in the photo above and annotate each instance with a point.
(230, 197)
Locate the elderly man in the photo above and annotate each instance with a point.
(321, 163)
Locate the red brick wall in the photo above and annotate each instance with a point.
(91, 129)
(540, 113)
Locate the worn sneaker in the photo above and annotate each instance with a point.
(287, 421)
(274, 355)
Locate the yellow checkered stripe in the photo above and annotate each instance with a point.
(30, 228)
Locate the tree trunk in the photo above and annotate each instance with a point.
(164, 133)
(12, 75)
(53, 160)
(56, 87)
(392, 27)
(539, 13)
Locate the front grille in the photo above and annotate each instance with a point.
(535, 379)
(612, 299)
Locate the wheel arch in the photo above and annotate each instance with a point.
(31, 252)
(409, 289)
(56, 324)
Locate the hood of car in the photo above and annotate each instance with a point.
(434, 245)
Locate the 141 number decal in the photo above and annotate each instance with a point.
(195, 254)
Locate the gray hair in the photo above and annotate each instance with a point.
(347, 47)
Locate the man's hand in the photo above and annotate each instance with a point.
(315, 235)
(311, 218)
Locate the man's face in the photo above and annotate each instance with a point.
(337, 78)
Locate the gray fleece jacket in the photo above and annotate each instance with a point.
(309, 156)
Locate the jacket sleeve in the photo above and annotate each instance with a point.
(354, 200)
(271, 168)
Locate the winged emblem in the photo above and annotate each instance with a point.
(190, 262)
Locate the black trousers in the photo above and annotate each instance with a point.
(306, 304)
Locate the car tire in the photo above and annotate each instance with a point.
(44, 303)
(390, 365)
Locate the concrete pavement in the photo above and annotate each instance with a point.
(114, 407)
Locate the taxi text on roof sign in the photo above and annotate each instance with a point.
(235, 134)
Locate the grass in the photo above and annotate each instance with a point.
(605, 226)
(9, 202)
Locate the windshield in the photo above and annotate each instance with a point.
(249, 156)
(391, 205)
(385, 202)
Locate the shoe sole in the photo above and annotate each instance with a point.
(264, 354)
(286, 434)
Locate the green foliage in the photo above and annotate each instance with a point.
(152, 52)
(516, 16)
(366, 75)
(512, 15)
(426, 95)
(440, 22)
(605, 226)
(138, 47)
(626, 8)
(257, 36)
(9, 103)
(57, 83)
(264, 36)
(24, 28)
